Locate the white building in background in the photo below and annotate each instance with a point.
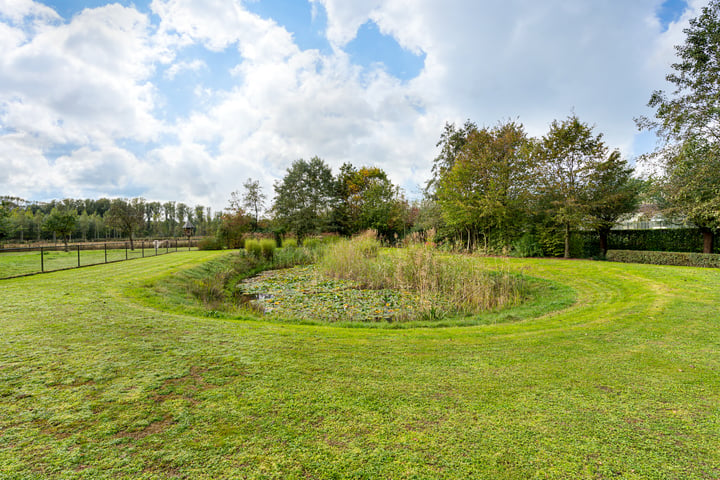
(648, 217)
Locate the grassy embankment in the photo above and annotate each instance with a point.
(623, 384)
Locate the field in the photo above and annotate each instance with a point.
(56, 258)
(623, 384)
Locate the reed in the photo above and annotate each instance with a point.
(445, 284)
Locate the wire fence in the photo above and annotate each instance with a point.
(23, 261)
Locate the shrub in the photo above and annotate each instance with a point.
(289, 242)
(527, 246)
(253, 248)
(665, 258)
(267, 248)
(211, 243)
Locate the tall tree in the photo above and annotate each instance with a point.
(451, 143)
(611, 193)
(687, 121)
(487, 188)
(689, 190)
(305, 197)
(169, 210)
(566, 156)
(254, 199)
(4, 220)
(127, 215)
(367, 199)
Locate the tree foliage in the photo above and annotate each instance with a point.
(693, 108)
(451, 143)
(688, 123)
(127, 215)
(487, 187)
(253, 200)
(62, 222)
(689, 191)
(567, 155)
(367, 199)
(304, 198)
(611, 192)
(4, 219)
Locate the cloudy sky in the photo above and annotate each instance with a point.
(186, 99)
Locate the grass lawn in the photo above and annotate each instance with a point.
(623, 384)
(23, 263)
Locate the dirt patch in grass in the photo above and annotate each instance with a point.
(153, 428)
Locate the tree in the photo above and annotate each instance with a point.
(233, 225)
(61, 222)
(566, 156)
(253, 199)
(4, 220)
(84, 224)
(127, 215)
(305, 197)
(451, 143)
(487, 188)
(169, 210)
(367, 199)
(689, 190)
(688, 124)
(611, 193)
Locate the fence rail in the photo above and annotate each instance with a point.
(23, 261)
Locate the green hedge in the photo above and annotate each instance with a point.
(684, 259)
(587, 244)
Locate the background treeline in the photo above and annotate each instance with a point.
(99, 219)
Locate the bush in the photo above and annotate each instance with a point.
(527, 246)
(267, 248)
(253, 248)
(212, 243)
(665, 258)
(289, 242)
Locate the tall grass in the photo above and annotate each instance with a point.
(445, 284)
(267, 248)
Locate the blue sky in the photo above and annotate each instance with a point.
(185, 99)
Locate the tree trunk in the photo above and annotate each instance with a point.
(603, 233)
(708, 240)
(567, 240)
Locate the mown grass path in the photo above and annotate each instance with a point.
(624, 384)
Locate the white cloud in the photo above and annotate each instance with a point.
(83, 82)
(178, 67)
(17, 11)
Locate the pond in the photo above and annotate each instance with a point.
(303, 293)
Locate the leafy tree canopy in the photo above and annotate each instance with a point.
(305, 197)
(127, 215)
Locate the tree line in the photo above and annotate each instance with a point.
(99, 219)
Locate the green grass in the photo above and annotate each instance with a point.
(24, 263)
(623, 384)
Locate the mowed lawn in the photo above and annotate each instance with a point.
(624, 384)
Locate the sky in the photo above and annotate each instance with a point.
(185, 100)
